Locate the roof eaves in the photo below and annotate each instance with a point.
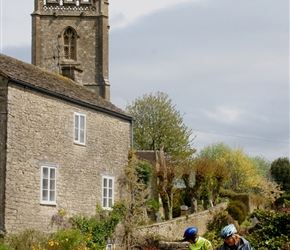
(69, 99)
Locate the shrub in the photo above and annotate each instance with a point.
(227, 193)
(237, 210)
(281, 199)
(3, 247)
(100, 228)
(272, 230)
(85, 233)
(28, 239)
(66, 239)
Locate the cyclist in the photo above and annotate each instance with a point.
(232, 240)
(195, 241)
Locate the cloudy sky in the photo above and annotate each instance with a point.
(224, 64)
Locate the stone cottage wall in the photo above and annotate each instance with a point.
(40, 131)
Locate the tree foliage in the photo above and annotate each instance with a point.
(204, 184)
(158, 124)
(269, 190)
(232, 167)
(263, 166)
(218, 152)
(216, 156)
(280, 172)
(218, 166)
(204, 176)
(244, 175)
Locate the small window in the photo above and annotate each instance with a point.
(109, 247)
(108, 192)
(79, 128)
(69, 44)
(48, 185)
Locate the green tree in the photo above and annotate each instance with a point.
(244, 176)
(219, 152)
(158, 124)
(211, 173)
(231, 168)
(280, 172)
(263, 166)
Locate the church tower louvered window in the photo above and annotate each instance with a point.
(69, 44)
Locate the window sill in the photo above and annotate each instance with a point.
(48, 203)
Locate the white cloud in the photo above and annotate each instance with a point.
(16, 23)
(126, 12)
(225, 114)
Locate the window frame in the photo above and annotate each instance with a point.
(69, 37)
(49, 189)
(106, 204)
(77, 130)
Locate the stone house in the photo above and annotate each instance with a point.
(61, 146)
(63, 143)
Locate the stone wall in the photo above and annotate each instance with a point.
(173, 230)
(40, 130)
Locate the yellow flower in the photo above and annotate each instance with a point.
(51, 243)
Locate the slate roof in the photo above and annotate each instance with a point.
(36, 78)
(146, 155)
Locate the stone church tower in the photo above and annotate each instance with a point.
(70, 37)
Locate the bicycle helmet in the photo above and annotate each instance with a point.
(190, 233)
(228, 231)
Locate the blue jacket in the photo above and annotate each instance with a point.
(242, 245)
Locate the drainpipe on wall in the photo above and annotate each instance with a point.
(132, 136)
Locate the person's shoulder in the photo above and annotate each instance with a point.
(244, 239)
(202, 238)
(207, 243)
(245, 242)
(222, 247)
